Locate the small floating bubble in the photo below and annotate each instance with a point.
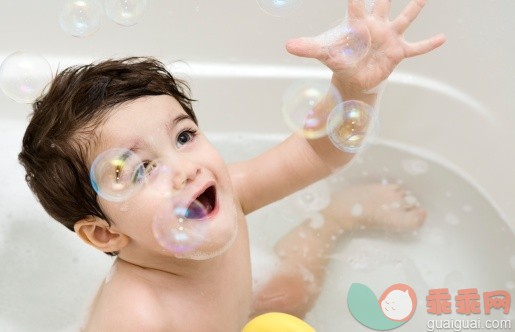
(80, 18)
(279, 8)
(24, 76)
(125, 12)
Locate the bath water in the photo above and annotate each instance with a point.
(464, 239)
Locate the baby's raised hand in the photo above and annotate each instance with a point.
(385, 38)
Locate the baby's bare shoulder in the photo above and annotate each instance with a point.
(129, 304)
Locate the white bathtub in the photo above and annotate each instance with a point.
(451, 109)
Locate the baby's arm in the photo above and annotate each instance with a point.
(298, 162)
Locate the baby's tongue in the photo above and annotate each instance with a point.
(199, 208)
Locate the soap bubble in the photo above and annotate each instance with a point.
(125, 12)
(299, 111)
(196, 228)
(116, 174)
(24, 76)
(351, 42)
(181, 228)
(279, 8)
(80, 18)
(315, 197)
(351, 125)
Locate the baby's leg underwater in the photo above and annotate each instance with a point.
(304, 252)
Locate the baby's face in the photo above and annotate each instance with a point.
(156, 128)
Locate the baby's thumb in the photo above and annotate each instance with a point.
(304, 47)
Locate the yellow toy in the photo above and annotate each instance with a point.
(277, 322)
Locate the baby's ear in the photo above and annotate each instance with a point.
(98, 233)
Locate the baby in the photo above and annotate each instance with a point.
(135, 104)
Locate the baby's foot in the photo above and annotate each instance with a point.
(376, 205)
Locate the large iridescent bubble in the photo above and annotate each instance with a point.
(80, 18)
(300, 110)
(180, 228)
(352, 125)
(186, 229)
(24, 76)
(125, 12)
(116, 174)
(279, 8)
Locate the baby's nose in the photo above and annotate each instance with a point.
(186, 171)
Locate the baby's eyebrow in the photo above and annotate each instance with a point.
(177, 119)
(138, 144)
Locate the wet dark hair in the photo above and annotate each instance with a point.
(62, 129)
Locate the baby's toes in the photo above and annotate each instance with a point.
(408, 219)
(401, 214)
(409, 201)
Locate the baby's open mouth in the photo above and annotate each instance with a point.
(203, 205)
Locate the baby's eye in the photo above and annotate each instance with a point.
(143, 170)
(185, 136)
(149, 166)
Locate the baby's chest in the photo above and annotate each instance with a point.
(205, 311)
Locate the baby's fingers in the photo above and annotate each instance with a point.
(424, 46)
(356, 8)
(382, 8)
(304, 47)
(408, 15)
